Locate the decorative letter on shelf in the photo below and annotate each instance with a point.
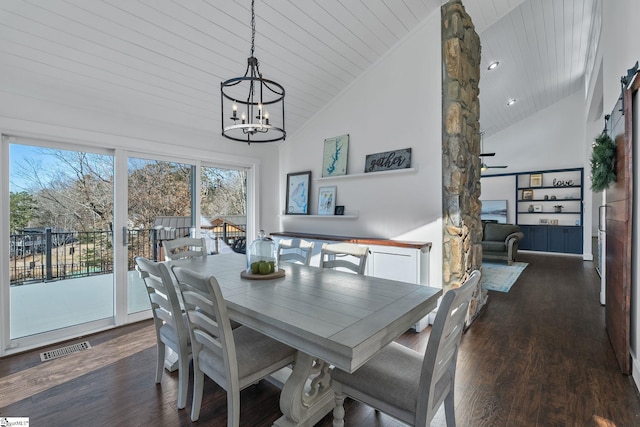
(390, 160)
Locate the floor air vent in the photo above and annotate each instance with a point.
(63, 351)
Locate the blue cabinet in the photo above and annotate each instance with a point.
(551, 238)
(566, 239)
(535, 237)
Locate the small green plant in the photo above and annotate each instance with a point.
(603, 163)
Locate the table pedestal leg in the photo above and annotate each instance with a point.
(307, 395)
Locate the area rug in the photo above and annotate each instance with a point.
(501, 277)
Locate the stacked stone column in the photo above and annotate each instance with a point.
(462, 229)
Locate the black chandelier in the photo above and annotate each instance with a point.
(256, 103)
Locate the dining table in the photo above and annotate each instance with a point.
(332, 318)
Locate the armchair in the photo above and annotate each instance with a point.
(500, 241)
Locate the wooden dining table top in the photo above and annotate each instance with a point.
(339, 317)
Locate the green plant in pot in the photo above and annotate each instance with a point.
(603, 163)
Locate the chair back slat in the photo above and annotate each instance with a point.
(439, 365)
(165, 316)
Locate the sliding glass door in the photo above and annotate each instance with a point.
(159, 208)
(75, 218)
(223, 208)
(60, 238)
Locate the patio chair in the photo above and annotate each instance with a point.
(170, 323)
(404, 383)
(234, 359)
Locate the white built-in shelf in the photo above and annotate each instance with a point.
(550, 187)
(550, 200)
(347, 215)
(368, 174)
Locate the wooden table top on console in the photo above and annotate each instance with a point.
(357, 240)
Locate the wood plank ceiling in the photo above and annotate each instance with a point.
(163, 60)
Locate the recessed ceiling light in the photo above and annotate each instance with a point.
(511, 102)
(493, 65)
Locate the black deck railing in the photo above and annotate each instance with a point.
(53, 255)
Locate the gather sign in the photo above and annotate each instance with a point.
(389, 160)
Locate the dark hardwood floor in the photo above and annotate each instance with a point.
(536, 356)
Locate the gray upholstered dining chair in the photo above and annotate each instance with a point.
(404, 383)
(335, 256)
(234, 359)
(295, 250)
(184, 247)
(169, 321)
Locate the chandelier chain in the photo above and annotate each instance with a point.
(253, 26)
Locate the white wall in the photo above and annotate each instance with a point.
(396, 104)
(619, 51)
(550, 139)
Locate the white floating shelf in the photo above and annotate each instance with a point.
(368, 174)
(347, 215)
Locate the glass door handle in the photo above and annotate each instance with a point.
(602, 215)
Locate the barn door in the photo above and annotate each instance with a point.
(619, 232)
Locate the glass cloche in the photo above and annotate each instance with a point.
(262, 255)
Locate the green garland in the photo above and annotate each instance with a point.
(603, 163)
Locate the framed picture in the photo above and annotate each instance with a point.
(535, 180)
(334, 159)
(554, 222)
(537, 208)
(544, 221)
(527, 194)
(327, 200)
(298, 193)
(339, 210)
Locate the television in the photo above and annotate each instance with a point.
(494, 210)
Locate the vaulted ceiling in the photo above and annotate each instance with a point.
(163, 60)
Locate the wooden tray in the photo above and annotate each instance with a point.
(251, 276)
